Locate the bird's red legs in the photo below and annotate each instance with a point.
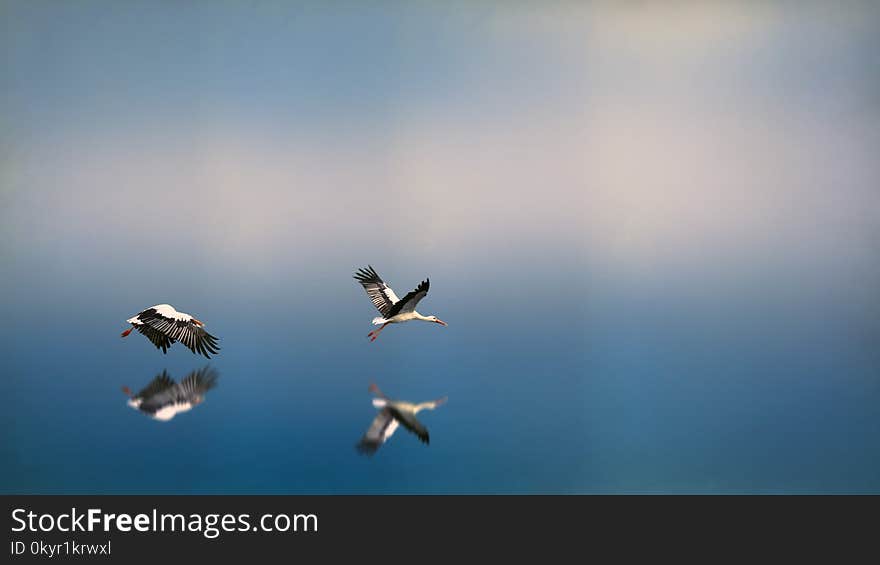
(375, 333)
(126, 390)
(126, 332)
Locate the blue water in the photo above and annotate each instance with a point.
(671, 392)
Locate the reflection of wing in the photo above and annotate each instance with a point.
(159, 339)
(408, 304)
(380, 430)
(160, 383)
(380, 294)
(409, 421)
(162, 399)
(196, 384)
(431, 404)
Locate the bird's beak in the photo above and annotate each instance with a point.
(442, 323)
(198, 322)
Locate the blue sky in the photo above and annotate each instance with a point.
(639, 131)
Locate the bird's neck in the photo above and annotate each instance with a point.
(420, 317)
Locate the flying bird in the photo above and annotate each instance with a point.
(163, 325)
(393, 309)
(394, 413)
(163, 398)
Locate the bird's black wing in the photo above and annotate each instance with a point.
(408, 304)
(159, 339)
(197, 339)
(381, 295)
(186, 332)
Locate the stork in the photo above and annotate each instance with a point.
(393, 309)
(163, 325)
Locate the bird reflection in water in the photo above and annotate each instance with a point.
(394, 413)
(162, 398)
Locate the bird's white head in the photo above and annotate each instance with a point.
(436, 320)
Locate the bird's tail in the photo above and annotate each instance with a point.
(378, 321)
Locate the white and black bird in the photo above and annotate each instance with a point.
(393, 309)
(394, 413)
(163, 398)
(163, 325)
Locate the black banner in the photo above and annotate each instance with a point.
(133, 529)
